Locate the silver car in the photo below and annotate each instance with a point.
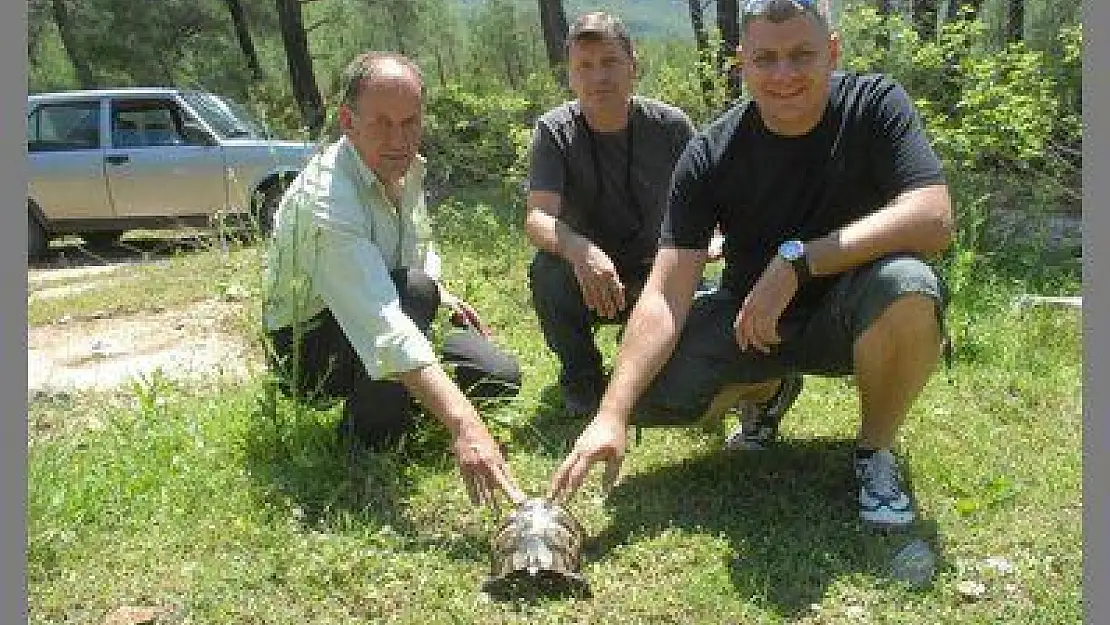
(105, 161)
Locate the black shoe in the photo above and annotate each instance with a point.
(581, 396)
(759, 423)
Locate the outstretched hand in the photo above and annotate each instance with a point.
(484, 470)
(601, 441)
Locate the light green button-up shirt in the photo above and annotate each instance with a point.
(336, 238)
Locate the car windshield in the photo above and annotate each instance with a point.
(228, 118)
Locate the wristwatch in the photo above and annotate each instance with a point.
(794, 252)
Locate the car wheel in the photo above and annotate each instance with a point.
(37, 241)
(269, 196)
(102, 238)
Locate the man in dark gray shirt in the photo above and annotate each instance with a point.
(600, 172)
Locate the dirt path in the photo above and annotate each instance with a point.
(103, 352)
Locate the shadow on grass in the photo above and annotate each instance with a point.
(295, 453)
(789, 513)
(551, 431)
(71, 253)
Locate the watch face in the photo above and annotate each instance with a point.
(791, 250)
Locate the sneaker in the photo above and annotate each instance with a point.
(581, 396)
(759, 423)
(882, 500)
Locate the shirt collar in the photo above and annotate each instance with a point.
(414, 175)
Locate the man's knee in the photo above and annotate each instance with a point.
(482, 370)
(898, 294)
(551, 280)
(419, 295)
(907, 330)
(377, 413)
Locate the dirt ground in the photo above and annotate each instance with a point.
(104, 352)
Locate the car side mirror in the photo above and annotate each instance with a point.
(195, 135)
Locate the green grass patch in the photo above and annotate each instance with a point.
(177, 279)
(229, 504)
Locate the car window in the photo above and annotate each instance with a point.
(145, 123)
(64, 126)
(229, 119)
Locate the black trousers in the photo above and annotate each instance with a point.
(323, 365)
(568, 325)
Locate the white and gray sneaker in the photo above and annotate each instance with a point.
(882, 500)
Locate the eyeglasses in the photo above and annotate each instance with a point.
(758, 6)
(796, 60)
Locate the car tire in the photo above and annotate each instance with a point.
(262, 214)
(37, 241)
(102, 238)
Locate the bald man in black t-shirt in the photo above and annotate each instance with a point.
(831, 199)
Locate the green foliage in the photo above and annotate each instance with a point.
(1005, 121)
(228, 503)
(672, 72)
(477, 138)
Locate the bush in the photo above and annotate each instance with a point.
(1005, 121)
(475, 139)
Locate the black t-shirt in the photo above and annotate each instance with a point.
(764, 188)
(615, 203)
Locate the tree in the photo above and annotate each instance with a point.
(701, 40)
(238, 16)
(1015, 21)
(66, 30)
(553, 22)
(728, 23)
(925, 18)
(301, 76)
(955, 5)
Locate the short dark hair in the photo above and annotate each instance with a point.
(778, 11)
(367, 65)
(599, 26)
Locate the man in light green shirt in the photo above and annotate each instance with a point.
(353, 285)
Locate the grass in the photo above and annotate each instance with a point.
(231, 506)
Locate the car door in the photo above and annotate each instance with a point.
(66, 159)
(152, 170)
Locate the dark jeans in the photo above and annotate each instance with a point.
(379, 411)
(567, 324)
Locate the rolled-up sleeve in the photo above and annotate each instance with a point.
(351, 278)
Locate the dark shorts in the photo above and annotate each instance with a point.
(707, 356)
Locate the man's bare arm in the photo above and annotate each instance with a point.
(653, 328)
(483, 468)
(649, 340)
(546, 231)
(918, 221)
(602, 289)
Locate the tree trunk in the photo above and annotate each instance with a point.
(728, 22)
(395, 17)
(553, 21)
(925, 18)
(882, 38)
(701, 39)
(1015, 21)
(69, 42)
(246, 44)
(954, 7)
(301, 78)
